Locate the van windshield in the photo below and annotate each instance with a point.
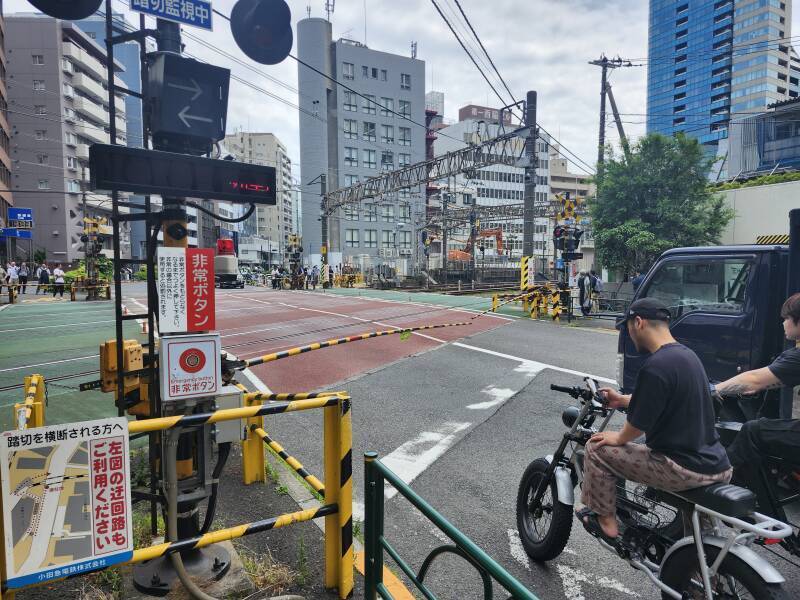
(711, 285)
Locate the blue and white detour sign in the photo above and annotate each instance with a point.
(66, 500)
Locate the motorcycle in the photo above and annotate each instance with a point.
(709, 562)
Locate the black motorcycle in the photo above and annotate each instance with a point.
(710, 562)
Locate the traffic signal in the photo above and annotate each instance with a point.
(559, 234)
(263, 29)
(70, 10)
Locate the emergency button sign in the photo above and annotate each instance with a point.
(192, 366)
(185, 290)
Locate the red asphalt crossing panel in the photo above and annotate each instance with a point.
(253, 323)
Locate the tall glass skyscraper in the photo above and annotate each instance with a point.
(709, 60)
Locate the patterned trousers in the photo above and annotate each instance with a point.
(635, 462)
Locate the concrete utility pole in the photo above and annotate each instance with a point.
(529, 194)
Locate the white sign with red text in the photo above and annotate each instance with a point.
(185, 290)
(191, 367)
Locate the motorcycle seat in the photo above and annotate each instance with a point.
(724, 498)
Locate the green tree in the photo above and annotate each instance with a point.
(654, 199)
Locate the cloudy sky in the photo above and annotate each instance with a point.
(544, 45)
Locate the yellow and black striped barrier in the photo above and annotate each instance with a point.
(768, 240)
(232, 533)
(289, 460)
(336, 342)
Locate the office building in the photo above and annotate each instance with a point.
(128, 55)
(349, 137)
(58, 106)
(6, 199)
(709, 60)
(495, 185)
(766, 143)
(271, 224)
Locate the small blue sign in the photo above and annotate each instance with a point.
(197, 13)
(13, 232)
(559, 263)
(20, 214)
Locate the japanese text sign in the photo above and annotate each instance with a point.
(191, 367)
(185, 290)
(189, 12)
(66, 500)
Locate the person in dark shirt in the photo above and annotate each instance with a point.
(671, 406)
(774, 437)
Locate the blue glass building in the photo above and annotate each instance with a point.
(709, 60)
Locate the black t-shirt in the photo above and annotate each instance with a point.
(672, 404)
(787, 367)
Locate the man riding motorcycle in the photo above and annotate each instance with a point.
(773, 437)
(672, 406)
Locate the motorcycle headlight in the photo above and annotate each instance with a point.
(570, 415)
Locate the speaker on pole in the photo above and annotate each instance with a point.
(70, 10)
(263, 29)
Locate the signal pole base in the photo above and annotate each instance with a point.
(157, 577)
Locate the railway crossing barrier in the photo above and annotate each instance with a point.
(539, 301)
(337, 491)
(376, 474)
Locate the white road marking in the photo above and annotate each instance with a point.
(498, 395)
(410, 459)
(56, 326)
(527, 365)
(53, 362)
(141, 322)
(517, 550)
(572, 578)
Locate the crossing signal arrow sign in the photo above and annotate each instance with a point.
(185, 117)
(196, 90)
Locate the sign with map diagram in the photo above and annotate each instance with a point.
(66, 500)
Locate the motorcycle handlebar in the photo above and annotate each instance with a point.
(562, 388)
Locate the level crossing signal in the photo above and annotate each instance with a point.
(70, 10)
(263, 29)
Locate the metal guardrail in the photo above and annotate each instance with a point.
(375, 544)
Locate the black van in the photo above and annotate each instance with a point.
(725, 303)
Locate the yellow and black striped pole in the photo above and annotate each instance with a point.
(336, 342)
(345, 514)
(288, 459)
(232, 533)
(30, 413)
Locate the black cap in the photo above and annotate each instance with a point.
(646, 308)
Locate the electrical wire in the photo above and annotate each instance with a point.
(210, 213)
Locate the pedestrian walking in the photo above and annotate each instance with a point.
(2, 277)
(58, 279)
(43, 277)
(637, 280)
(584, 293)
(314, 277)
(13, 275)
(596, 286)
(23, 276)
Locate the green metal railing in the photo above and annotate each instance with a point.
(375, 474)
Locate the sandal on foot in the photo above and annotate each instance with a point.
(590, 522)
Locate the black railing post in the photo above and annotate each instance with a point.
(373, 526)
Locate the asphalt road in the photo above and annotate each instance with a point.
(459, 416)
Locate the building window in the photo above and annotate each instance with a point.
(351, 238)
(369, 159)
(368, 104)
(405, 240)
(41, 134)
(404, 107)
(405, 81)
(38, 85)
(387, 106)
(350, 157)
(387, 161)
(348, 71)
(69, 113)
(69, 91)
(386, 239)
(38, 59)
(405, 136)
(42, 159)
(350, 102)
(384, 75)
(370, 238)
(371, 213)
(364, 71)
(387, 213)
(374, 73)
(404, 194)
(351, 129)
(44, 184)
(351, 212)
(72, 163)
(405, 213)
(404, 160)
(369, 131)
(350, 180)
(70, 139)
(40, 109)
(387, 134)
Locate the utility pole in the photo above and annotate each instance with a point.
(443, 197)
(529, 194)
(605, 64)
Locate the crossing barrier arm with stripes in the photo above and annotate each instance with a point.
(30, 413)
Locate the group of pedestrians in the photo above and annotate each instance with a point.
(589, 287)
(300, 277)
(44, 279)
